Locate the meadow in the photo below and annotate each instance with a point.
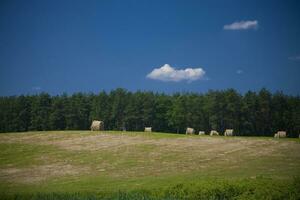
(137, 165)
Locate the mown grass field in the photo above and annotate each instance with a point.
(134, 165)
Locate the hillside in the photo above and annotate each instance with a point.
(94, 162)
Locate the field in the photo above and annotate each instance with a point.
(128, 165)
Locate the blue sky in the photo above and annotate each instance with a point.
(89, 46)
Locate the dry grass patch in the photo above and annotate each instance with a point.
(35, 174)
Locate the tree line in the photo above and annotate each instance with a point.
(253, 114)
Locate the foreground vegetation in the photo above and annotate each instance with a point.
(260, 188)
(135, 165)
(252, 114)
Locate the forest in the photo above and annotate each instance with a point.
(259, 113)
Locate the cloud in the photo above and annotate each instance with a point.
(36, 88)
(239, 71)
(242, 25)
(294, 58)
(168, 73)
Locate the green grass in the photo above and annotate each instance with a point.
(260, 188)
(135, 165)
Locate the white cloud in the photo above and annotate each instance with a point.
(168, 73)
(294, 58)
(36, 88)
(242, 25)
(239, 71)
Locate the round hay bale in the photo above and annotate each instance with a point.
(201, 132)
(214, 132)
(97, 125)
(189, 131)
(148, 129)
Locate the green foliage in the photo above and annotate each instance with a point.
(40, 112)
(259, 189)
(177, 113)
(259, 114)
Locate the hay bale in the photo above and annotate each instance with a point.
(281, 134)
(189, 131)
(148, 129)
(201, 132)
(213, 132)
(228, 132)
(97, 125)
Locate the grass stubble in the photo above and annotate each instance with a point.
(135, 165)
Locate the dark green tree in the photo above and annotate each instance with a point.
(177, 113)
(40, 112)
(57, 117)
(259, 114)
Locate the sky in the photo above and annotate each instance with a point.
(157, 45)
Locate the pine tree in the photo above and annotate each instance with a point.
(40, 112)
(177, 113)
